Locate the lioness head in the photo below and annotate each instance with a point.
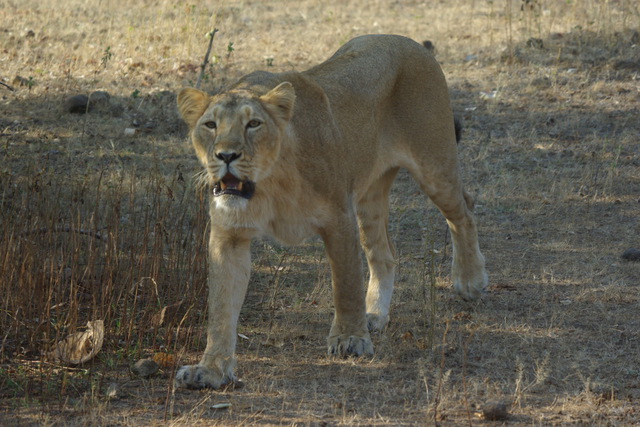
(237, 136)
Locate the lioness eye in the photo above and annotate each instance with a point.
(211, 124)
(254, 123)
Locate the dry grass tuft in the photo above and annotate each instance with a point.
(96, 223)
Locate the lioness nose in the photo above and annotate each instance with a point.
(227, 157)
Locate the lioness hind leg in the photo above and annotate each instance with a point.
(373, 219)
(441, 182)
(468, 271)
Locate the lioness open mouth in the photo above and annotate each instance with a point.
(232, 186)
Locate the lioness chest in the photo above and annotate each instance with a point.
(286, 210)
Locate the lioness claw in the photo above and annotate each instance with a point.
(350, 346)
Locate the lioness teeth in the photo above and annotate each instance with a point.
(240, 186)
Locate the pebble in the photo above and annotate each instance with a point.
(627, 65)
(144, 368)
(80, 104)
(76, 104)
(99, 98)
(541, 83)
(112, 391)
(535, 43)
(428, 44)
(495, 411)
(220, 406)
(631, 254)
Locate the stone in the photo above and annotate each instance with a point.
(99, 99)
(144, 368)
(631, 254)
(495, 411)
(535, 43)
(113, 391)
(76, 104)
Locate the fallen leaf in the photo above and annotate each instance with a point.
(164, 360)
(407, 336)
(422, 344)
(462, 316)
(80, 347)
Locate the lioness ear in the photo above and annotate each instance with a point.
(192, 104)
(283, 98)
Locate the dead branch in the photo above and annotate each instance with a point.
(206, 57)
(44, 230)
(7, 86)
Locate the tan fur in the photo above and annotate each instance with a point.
(322, 148)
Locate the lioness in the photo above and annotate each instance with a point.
(295, 154)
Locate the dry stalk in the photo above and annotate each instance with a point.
(45, 230)
(465, 355)
(7, 86)
(441, 374)
(211, 35)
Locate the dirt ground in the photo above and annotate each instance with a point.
(101, 217)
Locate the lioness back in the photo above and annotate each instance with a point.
(380, 99)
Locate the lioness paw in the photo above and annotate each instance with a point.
(198, 376)
(343, 345)
(472, 289)
(376, 322)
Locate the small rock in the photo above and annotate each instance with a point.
(221, 406)
(112, 391)
(428, 44)
(495, 411)
(144, 368)
(129, 131)
(631, 254)
(535, 43)
(76, 104)
(627, 65)
(99, 99)
(149, 126)
(541, 83)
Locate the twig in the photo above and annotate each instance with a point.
(441, 374)
(44, 230)
(7, 86)
(206, 57)
(465, 355)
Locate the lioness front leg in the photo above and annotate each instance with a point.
(349, 335)
(229, 269)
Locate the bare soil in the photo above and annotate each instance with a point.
(101, 222)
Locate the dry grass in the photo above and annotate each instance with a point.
(98, 225)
